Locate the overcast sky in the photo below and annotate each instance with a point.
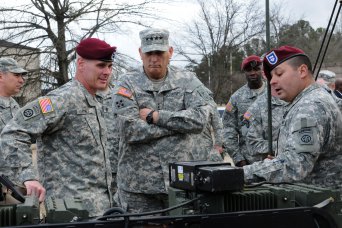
(317, 12)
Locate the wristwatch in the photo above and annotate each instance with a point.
(149, 117)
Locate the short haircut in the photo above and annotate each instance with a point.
(299, 60)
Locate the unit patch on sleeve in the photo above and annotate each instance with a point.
(45, 105)
(306, 136)
(124, 92)
(30, 112)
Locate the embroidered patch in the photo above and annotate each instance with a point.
(272, 58)
(229, 107)
(45, 105)
(119, 104)
(124, 92)
(247, 115)
(30, 112)
(306, 136)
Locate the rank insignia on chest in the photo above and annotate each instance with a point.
(45, 105)
(124, 92)
(247, 115)
(229, 107)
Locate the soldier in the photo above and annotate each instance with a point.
(338, 88)
(11, 81)
(309, 144)
(327, 80)
(72, 155)
(234, 131)
(159, 107)
(257, 134)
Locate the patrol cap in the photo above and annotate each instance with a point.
(327, 75)
(250, 62)
(95, 49)
(10, 65)
(279, 55)
(154, 39)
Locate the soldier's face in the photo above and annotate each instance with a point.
(286, 82)
(94, 74)
(254, 76)
(156, 62)
(11, 83)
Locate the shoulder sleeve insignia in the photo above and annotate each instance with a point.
(247, 115)
(306, 136)
(30, 112)
(229, 107)
(45, 105)
(124, 92)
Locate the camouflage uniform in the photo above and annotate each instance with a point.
(146, 149)
(234, 129)
(8, 108)
(113, 138)
(336, 98)
(72, 155)
(309, 145)
(257, 134)
(210, 136)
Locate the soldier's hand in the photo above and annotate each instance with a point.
(144, 112)
(270, 157)
(219, 148)
(241, 163)
(33, 187)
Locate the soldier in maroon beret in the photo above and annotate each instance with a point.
(73, 157)
(309, 144)
(234, 125)
(94, 63)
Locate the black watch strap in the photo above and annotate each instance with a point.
(149, 117)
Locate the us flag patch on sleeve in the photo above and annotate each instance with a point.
(247, 115)
(45, 105)
(124, 92)
(229, 107)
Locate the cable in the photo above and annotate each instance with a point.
(325, 35)
(326, 49)
(265, 182)
(105, 217)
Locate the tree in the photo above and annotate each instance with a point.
(214, 42)
(54, 27)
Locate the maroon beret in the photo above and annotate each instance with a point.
(277, 56)
(250, 61)
(93, 48)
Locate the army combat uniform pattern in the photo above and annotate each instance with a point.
(234, 129)
(8, 108)
(257, 134)
(147, 149)
(72, 155)
(210, 136)
(113, 138)
(309, 145)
